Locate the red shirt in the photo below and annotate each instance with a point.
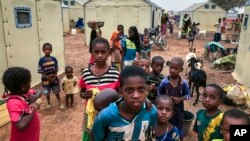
(17, 107)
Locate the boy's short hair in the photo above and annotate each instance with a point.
(120, 26)
(132, 71)
(218, 88)
(178, 60)
(104, 98)
(46, 44)
(165, 97)
(101, 41)
(157, 58)
(237, 114)
(68, 67)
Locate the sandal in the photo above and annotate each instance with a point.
(62, 108)
(48, 107)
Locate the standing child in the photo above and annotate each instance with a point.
(217, 35)
(232, 117)
(128, 118)
(145, 52)
(207, 123)
(99, 76)
(155, 77)
(48, 67)
(21, 105)
(131, 47)
(177, 88)
(69, 85)
(164, 130)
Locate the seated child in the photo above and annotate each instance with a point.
(127, 118)
(232, 117)
(207, 123)
(164, 130)
(155, 77)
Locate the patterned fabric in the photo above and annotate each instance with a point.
(145, 51)
(208, 128)
(68, 85)
(172, 135)
(151, 79)
(49, 66)
(111, 126)
(180, 90)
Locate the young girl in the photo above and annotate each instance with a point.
(21, 104)
(207, 123)
(145, 48)
(69, 85)
(131, 47)
(99, 76)
(164, 130)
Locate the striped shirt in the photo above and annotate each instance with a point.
(108, 80)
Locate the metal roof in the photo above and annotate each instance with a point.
(195, 6)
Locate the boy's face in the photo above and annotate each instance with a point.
(69, 73)
(175, 69)
(225, 126)
(146, 39)
(120, 30)
(164, 110)
(134, 92)
(144, 64)
(47, 50)
(211, 98)
(146, 31)
(157, 67)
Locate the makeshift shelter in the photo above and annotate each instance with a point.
(24, 27)
(242, 67)
(139, 13)
(66, 21)
(206, 13)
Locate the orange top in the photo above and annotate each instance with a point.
(115, 41)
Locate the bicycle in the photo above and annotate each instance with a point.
(160, 41)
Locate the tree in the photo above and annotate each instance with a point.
(229, 4)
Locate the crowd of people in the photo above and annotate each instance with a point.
(125, 101)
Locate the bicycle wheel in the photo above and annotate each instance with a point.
(163, 43)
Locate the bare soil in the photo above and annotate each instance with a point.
(66, 125)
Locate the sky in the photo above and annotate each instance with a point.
(176, 5)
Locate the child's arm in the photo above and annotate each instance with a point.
(86, 94)
(27, 117)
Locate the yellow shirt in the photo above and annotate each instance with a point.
(68, 86)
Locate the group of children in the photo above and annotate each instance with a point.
(109, 117)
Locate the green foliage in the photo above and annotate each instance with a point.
(229, 4)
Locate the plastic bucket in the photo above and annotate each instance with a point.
(73, 31)
(188, 118)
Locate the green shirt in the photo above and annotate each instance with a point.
(208, 128)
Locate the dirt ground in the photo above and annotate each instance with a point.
(66, 125)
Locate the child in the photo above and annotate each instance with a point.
(146, 32)
(164, 130)
(131, 47)
(144, 64)
(21, 105)
(177, 88)
(145, 48)
(99, 76)
(217, 35)
(48, 67)
(128, 118)
(155, 77)
(69, 85)
(95, 33)
(232, 117)
(116, 49)
(207, 123)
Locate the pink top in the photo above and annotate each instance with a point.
(17, 107)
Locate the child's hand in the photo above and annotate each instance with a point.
(35, 105)
(74, 83)
(176, 100)
(148, 104)
(152, 87)
(87, 94)
(135, 62)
